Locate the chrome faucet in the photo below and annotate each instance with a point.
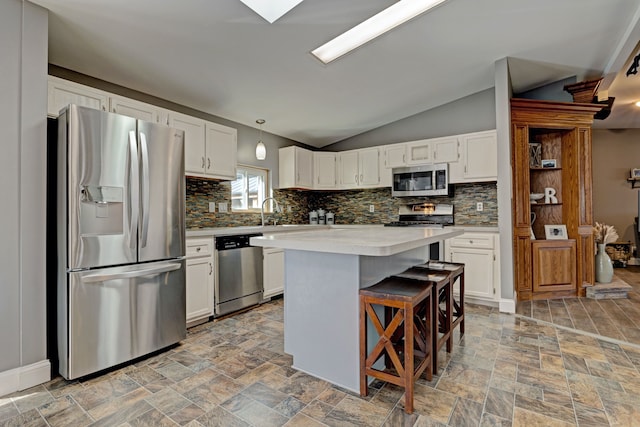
(276, 209)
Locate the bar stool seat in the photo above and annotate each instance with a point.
(405, 338)
(441, 293)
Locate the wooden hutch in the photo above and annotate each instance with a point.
(550, 268)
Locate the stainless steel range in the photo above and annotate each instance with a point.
(424, 215)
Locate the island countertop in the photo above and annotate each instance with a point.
(368, 241)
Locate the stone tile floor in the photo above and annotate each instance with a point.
(618, 319)
(506, 371)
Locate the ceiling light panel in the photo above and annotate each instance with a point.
(271, 10)
(389, 18)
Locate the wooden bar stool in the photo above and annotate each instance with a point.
(405, 338)
(442, 307)
(456, 270)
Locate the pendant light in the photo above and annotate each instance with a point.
(261, 150)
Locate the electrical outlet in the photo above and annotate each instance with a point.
(372, 208)
(479, 206)
(289, 209)
(222, 207)
(212, 206)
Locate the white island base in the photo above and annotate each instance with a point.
(324, 270)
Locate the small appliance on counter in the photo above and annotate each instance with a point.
(313, 218)
(424, 215)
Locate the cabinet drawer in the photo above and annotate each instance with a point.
(473, 240)
(199, 247)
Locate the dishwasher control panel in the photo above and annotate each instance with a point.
(234, 242)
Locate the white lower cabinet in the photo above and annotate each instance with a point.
(199, 279)
(479, 253)
(273, 271)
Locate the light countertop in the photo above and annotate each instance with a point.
(269, 229)
(363, 240)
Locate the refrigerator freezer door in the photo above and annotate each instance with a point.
(162, 192)
(118, 314)
(101, 161)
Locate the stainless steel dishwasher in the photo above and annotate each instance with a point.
(239, 280)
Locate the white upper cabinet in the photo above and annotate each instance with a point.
(324, 170)
(395, 155)
(220, 151)
(132, 108)
(435, 150)
(63, 92)
(419, 152)
(194, 138)
(295, 167)
(478, 158)
(360, 168)
(445, 150)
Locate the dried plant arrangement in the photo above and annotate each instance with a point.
(604, 233)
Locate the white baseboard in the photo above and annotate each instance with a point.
(25, 377)
(507, 305)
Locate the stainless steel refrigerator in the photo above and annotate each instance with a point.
(120, 218)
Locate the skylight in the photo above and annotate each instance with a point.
(271, 10)
(396, 14)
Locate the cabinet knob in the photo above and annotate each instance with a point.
(210, 269)
(198, 249)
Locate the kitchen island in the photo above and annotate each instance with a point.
(324, 271)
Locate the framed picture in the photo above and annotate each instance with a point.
(555, 232)
(549, 163)
(635, 173)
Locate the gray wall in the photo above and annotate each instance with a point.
(473, 113)
(615, 152)
(247, 135)
(23, 111)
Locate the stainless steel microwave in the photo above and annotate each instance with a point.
(425, 180)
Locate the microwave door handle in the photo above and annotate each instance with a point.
(134, 198)
(145, 189)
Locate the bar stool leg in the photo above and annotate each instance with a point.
(449, 317)
(462, 302)
(408, 358)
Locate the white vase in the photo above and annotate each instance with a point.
(604, 267)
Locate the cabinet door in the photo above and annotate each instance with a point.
(395, 155)
(304, 168)
(445, 149)
(199, 288)
(554, 265)
(273, 272)
(369, 167)
(220, 151)
(419, 152)
(324, 170)
(480, 156)
(478, 271)
(62, 93)
(349, 174)
(132, 108)
(194, 134)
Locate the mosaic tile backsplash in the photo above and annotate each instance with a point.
(349, 206)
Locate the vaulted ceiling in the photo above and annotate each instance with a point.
(220, 57)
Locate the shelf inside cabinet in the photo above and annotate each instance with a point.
(545, 169)
(546, 204)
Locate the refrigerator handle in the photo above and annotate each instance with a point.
(134, 199)
(145, 189)
(157, 269)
